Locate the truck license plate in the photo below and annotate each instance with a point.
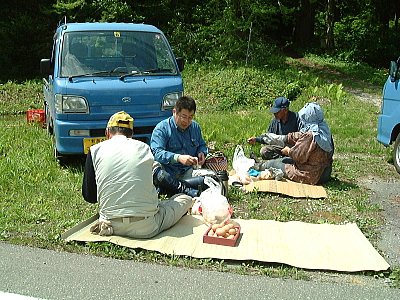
(88, 142)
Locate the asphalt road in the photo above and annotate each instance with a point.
(386, 193)
(52, 275)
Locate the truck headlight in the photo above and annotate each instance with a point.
(169, 100)
(68, 104)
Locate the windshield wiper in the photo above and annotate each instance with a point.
(94, 74)
(157, 70)
(151, 71)
(134, 73)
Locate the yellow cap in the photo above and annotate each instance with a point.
(121, 119)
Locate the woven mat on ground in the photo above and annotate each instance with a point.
(288, 187)
(303, 245)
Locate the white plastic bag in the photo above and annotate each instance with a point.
(214, 206)
(241, 164)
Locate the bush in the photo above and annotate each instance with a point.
(359, 39)
(233, 88)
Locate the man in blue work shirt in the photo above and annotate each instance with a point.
(178, 145)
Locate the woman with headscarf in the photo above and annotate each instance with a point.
(309, 151)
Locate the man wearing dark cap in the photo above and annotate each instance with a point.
(119, 176)
(284, 122)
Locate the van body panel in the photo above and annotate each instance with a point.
(389, 119)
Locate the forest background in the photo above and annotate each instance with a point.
(230, 32)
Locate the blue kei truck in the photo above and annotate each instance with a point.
(98, 69)
(389, 119)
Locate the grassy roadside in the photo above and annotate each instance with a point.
(41, 199)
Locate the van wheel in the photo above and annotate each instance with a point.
(62, 159)
(396, 154)
(57, 154)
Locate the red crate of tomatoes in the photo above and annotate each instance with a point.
(222, 234)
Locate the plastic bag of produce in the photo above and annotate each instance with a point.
(241, 164)
(214, 206)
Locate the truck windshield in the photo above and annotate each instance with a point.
(110, 53)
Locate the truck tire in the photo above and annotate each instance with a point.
(396, 154)
(63, 160)
(57, 155)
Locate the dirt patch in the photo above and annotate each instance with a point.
(328, 216)
(386, 193)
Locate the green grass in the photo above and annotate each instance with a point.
(41, 199)
(356, 70)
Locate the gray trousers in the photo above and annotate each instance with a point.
(169, 213)
(280, 163)
(271, 152)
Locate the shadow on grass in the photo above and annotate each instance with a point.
(339, 185)
(74, 163)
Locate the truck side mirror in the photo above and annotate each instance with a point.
(45, 66)
(393, 71)
(181, 63)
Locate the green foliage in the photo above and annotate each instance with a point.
(232, 32)
(252, 267)
(354, 71)
(225, 32)
(359, 38)
(237, 88)
(292, 90)
(232, 88)
(25, 39)
(18, 98)
(96, 11)
(395, 276)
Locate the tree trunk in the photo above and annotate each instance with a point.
(330, 22)
(396, 12)
(303, 32)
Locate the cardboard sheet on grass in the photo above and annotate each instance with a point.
(287, 187)
(303, 245)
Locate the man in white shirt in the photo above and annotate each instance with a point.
(119, 176)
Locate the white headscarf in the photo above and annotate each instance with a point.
(312, 119)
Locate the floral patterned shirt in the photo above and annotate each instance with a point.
(310, 160)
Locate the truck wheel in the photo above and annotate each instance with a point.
(62, 159)
(57, 155)
(396, 154)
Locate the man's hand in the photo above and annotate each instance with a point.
(187, 160)
(251, 140)
(285, 151)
